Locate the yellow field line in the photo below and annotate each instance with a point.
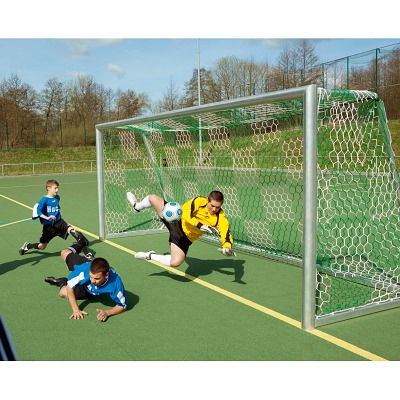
(350, 347)
(20, 204)
(15, 222)
(16, 202)
(325, 336)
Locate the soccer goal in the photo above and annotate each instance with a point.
(309, 178)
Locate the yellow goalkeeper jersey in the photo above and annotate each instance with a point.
(195, 211)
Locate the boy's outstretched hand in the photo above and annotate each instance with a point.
(101, 315)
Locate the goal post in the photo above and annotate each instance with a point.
(308, 175)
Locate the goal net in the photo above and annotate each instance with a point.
(309, 178)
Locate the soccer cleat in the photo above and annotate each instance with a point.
(23, 249)
(56, 281)
(132, 200)
(142, 255)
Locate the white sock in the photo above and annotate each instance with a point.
(163, 259)
(145, 203)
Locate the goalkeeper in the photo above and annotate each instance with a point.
(200, 215)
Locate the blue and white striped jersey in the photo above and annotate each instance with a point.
(47, 206)
(112, 286)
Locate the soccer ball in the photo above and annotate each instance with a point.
(172, 212)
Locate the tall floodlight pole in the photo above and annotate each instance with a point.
(199, 101)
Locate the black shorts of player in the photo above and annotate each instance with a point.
(176, 234)
(71, 260)
(50, 231)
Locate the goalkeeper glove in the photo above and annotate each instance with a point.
(226, 251)
(208, 229)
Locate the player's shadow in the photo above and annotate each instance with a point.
(32, 259)
(34, 256)
(199, 267)
(104, 299)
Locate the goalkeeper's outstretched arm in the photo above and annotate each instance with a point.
(226, 237)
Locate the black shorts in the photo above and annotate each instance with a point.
(177, 236)
(71, 260)
(50, 231)
(80, 293)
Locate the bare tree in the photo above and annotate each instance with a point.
(83, 100)
(130, 104)
(287, 67)
(255, 77)
(103, 95)
(234, 77)
(299, 64)
(171, 99)
(51, 103)
(209, 90)
(226, 74)
(18, 109)
(306, 62)
(390, 83)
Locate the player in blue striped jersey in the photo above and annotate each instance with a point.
(47, 210)
(87, 279)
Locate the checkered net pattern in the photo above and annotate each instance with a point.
(254, 155)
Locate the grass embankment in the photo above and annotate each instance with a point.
(394, 128)
(47, 161)
(20, 156)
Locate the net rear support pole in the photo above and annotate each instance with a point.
(309, 207)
